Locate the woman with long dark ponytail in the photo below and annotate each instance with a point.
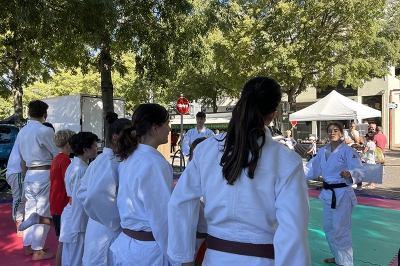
(145, 187)
(98, 194)
(249, 183)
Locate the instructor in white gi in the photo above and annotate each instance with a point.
(199, 131)
(340, 166)
(250, 184)
(37, 149)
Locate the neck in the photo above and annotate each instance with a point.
(83, 158)
(200, 127)
(149, 141)
(39, 119)
(335, 144)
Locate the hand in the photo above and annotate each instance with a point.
(345, 174)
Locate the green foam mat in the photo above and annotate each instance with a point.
(375, 232)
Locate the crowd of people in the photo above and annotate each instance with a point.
(242, 200)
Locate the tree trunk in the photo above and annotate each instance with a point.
(17, 90)
(107, 88)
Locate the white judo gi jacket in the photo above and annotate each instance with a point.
(145, 187)
(247, 211)
(192, 135)
(98, 194)
(73, 218)
(342, 158)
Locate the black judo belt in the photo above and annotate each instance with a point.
(331, 188)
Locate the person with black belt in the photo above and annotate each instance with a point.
(341, 167)
(249, 183)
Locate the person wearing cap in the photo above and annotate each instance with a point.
(199, 131)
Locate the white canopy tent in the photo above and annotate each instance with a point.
(334, 106)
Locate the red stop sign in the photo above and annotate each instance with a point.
(293, 123)
(182, 105)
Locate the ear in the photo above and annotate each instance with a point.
(114, 138)
(153, 129)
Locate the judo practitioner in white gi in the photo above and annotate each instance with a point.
(199, 131)
(98, 194)
(341, 167)
(15, 178)
(250, 184)
(73, 218)
(37, 149)
(145, 186)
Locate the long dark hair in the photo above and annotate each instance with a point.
(144, 117)
(260, 96)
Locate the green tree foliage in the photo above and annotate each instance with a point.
(310, 43)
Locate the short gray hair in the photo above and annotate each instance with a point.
(61, 137)
(378, 128)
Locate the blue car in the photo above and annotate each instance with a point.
(8, 135)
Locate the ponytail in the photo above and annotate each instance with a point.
(126, 143)
(241, 150)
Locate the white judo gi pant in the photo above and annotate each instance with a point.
(129, 251)
(37, 189)
(72, 253)
(16, 183)
(337, 227)
(98, 240)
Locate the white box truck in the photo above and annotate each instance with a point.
(81, 112)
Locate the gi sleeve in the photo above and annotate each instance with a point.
(186, 143)
(183, 215)
(313, 168)
(292, 212)
(101, 196)
(355, 166)
(47, 141)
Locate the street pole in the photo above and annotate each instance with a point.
(391, 119)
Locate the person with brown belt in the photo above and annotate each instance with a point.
(37, 149)
(145, 186)
(250, 184)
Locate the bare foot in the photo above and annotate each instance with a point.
(29, 250)
(41, 255)
(329, 260)
(19, 233)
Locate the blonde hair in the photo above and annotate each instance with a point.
(61, 137)
(289, 132)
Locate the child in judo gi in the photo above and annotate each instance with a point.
(249, 183)
(73, 218)
(98, 195)
(145, 186)
(341, 167)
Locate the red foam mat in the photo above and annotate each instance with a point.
(12, 252)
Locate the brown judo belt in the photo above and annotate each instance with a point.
(139, 235)
(247, 249)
